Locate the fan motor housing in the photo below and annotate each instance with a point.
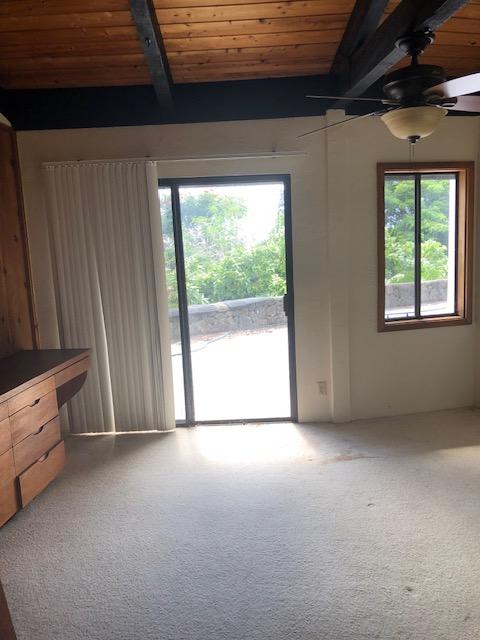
(407, 85)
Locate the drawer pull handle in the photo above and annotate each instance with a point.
(40, 430)
(44, 457)
(34, 402)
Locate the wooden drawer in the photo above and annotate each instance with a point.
(29, 419)
(39, 475)
(7, 468)
(5, 437)
(36, 445)
(31, 395)
(8, 501)
(71, 372)
(3, 411)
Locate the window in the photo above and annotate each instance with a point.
(425, 233)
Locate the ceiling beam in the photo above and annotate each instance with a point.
(363, 21)
(369, 63)
(145, 18)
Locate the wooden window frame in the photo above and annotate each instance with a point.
(464, 250)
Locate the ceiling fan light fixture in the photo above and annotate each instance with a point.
(412, 123)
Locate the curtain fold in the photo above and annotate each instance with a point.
(107, 246)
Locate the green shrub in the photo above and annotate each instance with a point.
(400, 228)
(219, 263)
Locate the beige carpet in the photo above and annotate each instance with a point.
(270, 532)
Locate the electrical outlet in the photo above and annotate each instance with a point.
(322, 387)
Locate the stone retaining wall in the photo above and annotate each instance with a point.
(402, 295)
(230, 315)
(254, 313)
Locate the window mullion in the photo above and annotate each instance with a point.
(418, 244)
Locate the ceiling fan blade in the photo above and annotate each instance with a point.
(466, 103)
(456, 87)
(384, 101)
(339, 124)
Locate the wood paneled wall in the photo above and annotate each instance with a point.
(17, 323)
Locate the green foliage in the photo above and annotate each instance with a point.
(219, 264)
(400, 228)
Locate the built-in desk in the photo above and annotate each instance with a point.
(33, 385)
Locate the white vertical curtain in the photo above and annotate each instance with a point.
(111, 293)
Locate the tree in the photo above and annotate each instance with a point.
(400, 228)
(219, 265)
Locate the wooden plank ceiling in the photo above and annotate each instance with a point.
(77, 43)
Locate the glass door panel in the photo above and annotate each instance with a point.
(233, 273)
(234, 252)
(165, 196)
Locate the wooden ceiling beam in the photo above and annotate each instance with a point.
(145, 19)
(369, 63)
(361, 26)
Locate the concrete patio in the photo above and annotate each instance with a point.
(237, 375)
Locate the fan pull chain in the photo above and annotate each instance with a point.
(412, 152)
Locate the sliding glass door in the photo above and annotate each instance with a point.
(228, 260)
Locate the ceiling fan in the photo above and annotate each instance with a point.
(417, 97)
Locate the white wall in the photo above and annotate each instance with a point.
(334, 235)
(403, 371)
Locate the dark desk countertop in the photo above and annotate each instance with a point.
(25, 368)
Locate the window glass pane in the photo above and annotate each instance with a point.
(399, 246)
(165, 196)
(438, 226)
